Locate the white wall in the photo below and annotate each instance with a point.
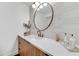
(12, 16)
(66, 19)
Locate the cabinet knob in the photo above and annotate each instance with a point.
(19, 48)
(19, 42)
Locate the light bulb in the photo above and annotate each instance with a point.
(41, 6)
(45, 4)
(33, 5)
(37, 3)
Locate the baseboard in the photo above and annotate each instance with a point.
(17, 55)
(13, 53)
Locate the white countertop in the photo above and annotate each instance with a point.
(49, 46)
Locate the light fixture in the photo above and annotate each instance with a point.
(33, 6)
(41, 6)
(45, 4)
(36, 4)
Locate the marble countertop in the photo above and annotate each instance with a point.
(49, 46)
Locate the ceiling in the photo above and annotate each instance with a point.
(28, 3)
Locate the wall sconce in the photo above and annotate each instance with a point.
(36, 4)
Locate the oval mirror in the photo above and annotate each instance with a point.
(43, 16)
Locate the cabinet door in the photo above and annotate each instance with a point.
(22, 47)
(27, 49)
(38, 52)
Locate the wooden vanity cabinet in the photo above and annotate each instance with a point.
(27, 49)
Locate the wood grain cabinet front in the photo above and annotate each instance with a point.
(27, 49)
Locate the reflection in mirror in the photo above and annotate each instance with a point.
(43, 16)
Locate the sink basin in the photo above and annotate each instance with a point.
(46, 44)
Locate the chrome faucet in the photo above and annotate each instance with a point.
(40, 34)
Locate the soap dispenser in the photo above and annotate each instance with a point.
(66, 39)
(69, 41)
(72, 42)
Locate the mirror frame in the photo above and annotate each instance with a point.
(51, 17)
